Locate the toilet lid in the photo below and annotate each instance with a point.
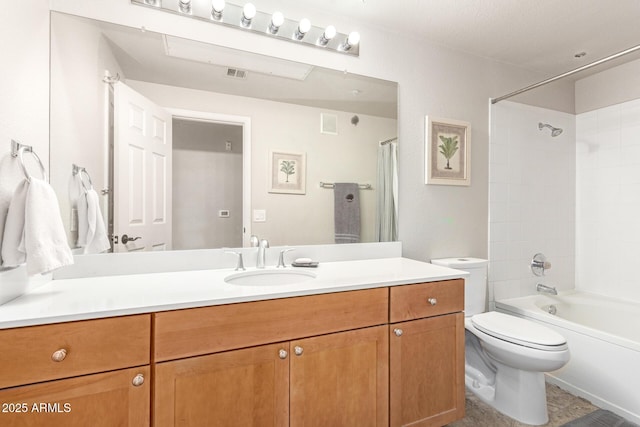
(518, 331)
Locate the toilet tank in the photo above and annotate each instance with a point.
(475, 286)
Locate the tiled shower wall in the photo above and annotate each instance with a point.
(532, 188)
(608, 201)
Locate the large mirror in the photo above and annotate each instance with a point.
(232, 119)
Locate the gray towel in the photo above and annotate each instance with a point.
(346, 212)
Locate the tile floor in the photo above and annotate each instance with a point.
(563, 407)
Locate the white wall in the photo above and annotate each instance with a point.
(80, 56)
(294, 219)
(24, 98)
(205, 179)
(608, 200)
(435, 221)
(609, 87)
(532, 199)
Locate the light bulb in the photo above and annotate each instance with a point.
(217, 6)
(303, 27)
(248, 13)
(277, 19)
(352, 40)
(329, 33)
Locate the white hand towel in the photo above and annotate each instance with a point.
(45, 240)
(96, 235)
(10, 176)
(34, 232)
(12, 256)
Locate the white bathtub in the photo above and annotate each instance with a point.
(604, 340)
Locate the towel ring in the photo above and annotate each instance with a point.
(80, 170)
(84, 171)
(18, 151)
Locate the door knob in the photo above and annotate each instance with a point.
(125, 239)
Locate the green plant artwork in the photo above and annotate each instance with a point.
(448, 148)
(288, 167)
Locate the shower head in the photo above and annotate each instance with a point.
(554, 131)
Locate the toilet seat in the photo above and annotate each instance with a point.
(518, 331)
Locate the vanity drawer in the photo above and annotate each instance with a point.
(426, 299)
(29, 354)
(197, 331)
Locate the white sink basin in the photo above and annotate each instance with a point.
(269, 277)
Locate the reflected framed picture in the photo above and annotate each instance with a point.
(287, 172)
(447, 152)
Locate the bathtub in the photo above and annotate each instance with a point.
(604, 340)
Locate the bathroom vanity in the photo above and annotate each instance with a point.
(343, 349)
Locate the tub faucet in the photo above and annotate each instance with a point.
(546, 289)
(262, 249)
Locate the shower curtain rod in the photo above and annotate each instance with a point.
(386, 141)
(568, 73)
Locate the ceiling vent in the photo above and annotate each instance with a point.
(236, 73)
(229, 58)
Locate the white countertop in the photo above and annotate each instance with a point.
(107, 296)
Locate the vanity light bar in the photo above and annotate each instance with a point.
(247, 18)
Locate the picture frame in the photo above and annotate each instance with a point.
(447, 151)
(287, 172)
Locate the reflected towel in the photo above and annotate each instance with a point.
(346, 212)
(34, 232)
(92, 234)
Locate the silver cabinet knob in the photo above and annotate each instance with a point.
(59, 355)
(298, 350)
(398, 332)
(432, 301)
(138, 380)
(283, 353)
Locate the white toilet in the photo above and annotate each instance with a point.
(505, 356)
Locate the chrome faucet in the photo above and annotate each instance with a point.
(281, 263)
(262, 250)
(240, 264)
(546, 289)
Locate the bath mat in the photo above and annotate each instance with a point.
(600, 418)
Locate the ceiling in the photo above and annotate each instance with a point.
(539, 35)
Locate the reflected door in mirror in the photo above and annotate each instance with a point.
(142, 172)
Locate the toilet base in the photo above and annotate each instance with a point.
(518, 394)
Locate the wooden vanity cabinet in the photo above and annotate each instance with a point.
(426, 361)
(327, 367)
(374, 357)
(99, 400)
(93, 372)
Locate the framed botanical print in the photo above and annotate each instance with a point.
(287, 172)
(447, 151)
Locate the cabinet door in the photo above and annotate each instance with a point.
(427, 371)
(247, 387)
(341, 380)
(100, 400)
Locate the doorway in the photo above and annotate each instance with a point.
(207, 184)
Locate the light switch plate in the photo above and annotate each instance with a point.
(259, 215)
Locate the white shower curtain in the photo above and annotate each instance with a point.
(387, 194)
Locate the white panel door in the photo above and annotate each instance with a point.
(142, 173)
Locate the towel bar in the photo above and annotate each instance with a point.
(332, 185)
(17, 149)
